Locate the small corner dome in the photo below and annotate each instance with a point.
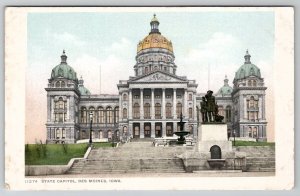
(83, 90)
(247, 69)
(63, 70)
(225, 90)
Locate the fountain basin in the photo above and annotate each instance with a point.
(181, 134)
(216, 163)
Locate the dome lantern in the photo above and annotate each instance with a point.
(154, 25)
(247, 57)
(63, 57)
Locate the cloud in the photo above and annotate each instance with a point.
(212, 60)
(68, 39)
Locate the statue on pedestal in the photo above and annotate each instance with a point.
(209, 109)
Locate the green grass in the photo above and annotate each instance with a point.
(248, 143)
(56, 154)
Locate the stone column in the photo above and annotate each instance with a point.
(130, 104)
(174, 127)
(163, 103)
(142, 135)
(48, 108)
(71, 110)
(153, 129)
(174, 104)
(142, 104)
(260, 108)
(245, 107)
(120, 107)
(130, 129)
(52, 109)
(194, 106)
(152, 103)
(185, 104)
(164, 131)
(241, 108)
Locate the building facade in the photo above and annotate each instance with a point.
(149, 103)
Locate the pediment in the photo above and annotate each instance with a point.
(159, 77)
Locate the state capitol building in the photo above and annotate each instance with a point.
(149, 103)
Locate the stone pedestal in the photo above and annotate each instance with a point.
(213, 134)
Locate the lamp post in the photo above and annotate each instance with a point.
(91, 118)
(233, 138)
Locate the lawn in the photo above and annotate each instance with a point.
(249, 143)
(56, 154)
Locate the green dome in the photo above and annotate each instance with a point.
(248, 69)
(83, 90)
(63, 70)
(226, 89)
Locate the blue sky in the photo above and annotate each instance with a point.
(216, 39)
(201, 39)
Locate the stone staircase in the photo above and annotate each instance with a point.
(133, 157)
(259, 158)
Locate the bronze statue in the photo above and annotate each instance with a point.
(204, 109)
(209, 109)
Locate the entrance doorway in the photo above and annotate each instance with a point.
(136, 130)
(169, 129)
(147, 129)
(158, 131)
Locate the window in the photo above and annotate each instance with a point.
(136, 110)
(157, 110)
(60, 117)
(178, 109)
(57, 84)
(63, 134)
(147, 110)
(190, 112)
(124, 112)
(109, 117)
(169, 128)
(168, 110)
(228, 114)
(251, 105)
(249, 82)
(57, 134)
(254, 82)
(255, 132)
(60, 103)
(190, 97)
(63, 84)
(116, 114)
(100, 116)
(125, 97)
(146, 70)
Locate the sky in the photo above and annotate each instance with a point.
(207, 46)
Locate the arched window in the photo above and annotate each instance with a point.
(178, 109)
(109, 115)
(254, 83)
(100, 115)
(228, 114)
(57, 84)
(157, 111)
(190, 97)
(63, 84)
(124, 112)
(147, 110)
(249, 82)
(255, 132)
(116, 114)
(136, 110)
(190, 112)
(168, 110)
(83, 115)
(125, 97)
(250, 132)
(146, 70)
(60, 103)
(251, 102)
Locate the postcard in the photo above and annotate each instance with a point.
(149, 98)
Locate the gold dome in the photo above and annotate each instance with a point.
(155, 40)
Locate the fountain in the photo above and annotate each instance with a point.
(181, 133)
